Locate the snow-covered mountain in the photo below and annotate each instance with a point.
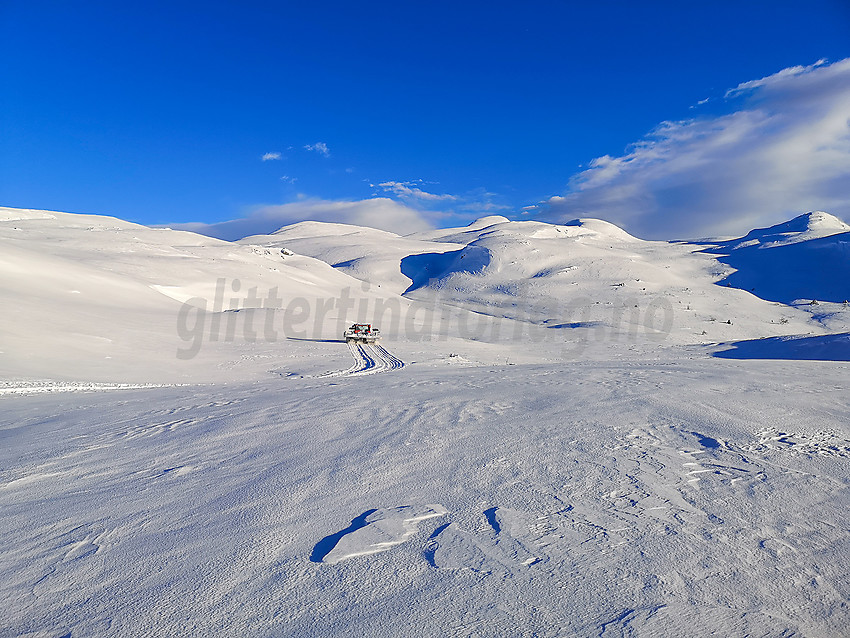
(806, 227)
(96, 298)
(592, 274)
(367, 254)
(805, 259)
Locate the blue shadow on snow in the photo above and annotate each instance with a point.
(820, 348)
(324, 546)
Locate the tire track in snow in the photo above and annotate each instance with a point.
(368, 359)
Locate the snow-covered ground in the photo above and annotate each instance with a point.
(574, 432)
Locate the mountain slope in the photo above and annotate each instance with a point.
(803, 259)
(367, 254)
(585, 275)
(101, 299)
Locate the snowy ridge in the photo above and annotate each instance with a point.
(814, 225)
(805, 259)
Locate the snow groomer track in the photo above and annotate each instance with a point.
(368, 359)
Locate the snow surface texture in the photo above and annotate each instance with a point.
(541, 457)
(708, 496)
(41, 387)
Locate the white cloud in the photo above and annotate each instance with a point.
(784, 74)
(445, 209)
(784, 151)
(271, 156)
(379, 212)
(319, 147)
(409, 190)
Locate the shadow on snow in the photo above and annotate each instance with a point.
(324, 546)
(819, 348)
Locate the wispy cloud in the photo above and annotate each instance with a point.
(444, 208)
(410, 190)
(776, 78)
(782, 148)
(271, 156)
(380, 212)
(319, 147)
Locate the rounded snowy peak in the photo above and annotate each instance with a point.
(811, 225)
(490, 220)
(603, 228)
(819, 220)
(329, 229)
(812, 221)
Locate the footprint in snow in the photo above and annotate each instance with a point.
(512, 545)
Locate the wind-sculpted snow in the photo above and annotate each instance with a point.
(668, 497)
(374, 531)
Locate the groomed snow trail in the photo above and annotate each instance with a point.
(368, 359)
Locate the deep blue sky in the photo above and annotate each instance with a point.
(160, 112)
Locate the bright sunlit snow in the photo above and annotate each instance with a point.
(564, 431)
